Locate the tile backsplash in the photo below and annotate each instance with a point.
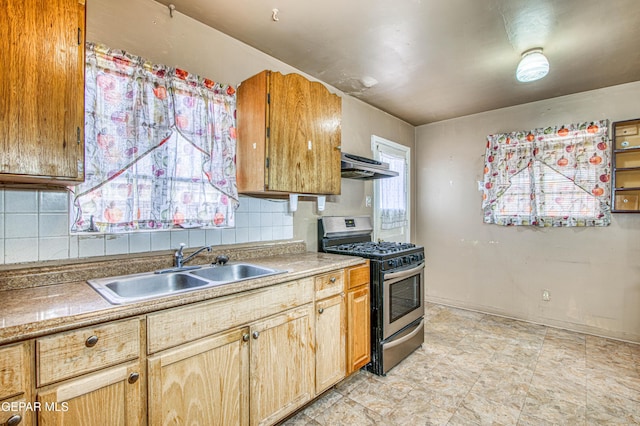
(34, 226)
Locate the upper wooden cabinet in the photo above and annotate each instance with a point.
(625, 169)
(42, 91)
(289, 136)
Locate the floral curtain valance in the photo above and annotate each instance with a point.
(552, 176)
(160, 147)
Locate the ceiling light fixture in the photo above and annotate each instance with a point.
(533, 66)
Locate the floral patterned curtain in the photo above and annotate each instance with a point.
(553, 176)
(393, 199)
(160, 147)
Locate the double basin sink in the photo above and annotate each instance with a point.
(137, 287)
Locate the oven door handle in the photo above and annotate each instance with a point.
(419, 328)
(399, 276)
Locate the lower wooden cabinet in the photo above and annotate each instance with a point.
(183, 366)
(358, 318)
(282, 365)
(201, 383)
(111, 397)
(16, 384)
(330, 342)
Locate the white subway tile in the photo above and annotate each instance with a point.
(254, 219)
(242, 220)
(288, 219)
(1, 200)
(1, 225)
(17, 250)
(20, 201)
(197, 237)
(73, 247)
(54, 201)
(160, 240)
(116, 244)
(228, 236)
(179, 237)
(266, 234)
(288, 232)
(254, 205)
(213, 237)
(53, 248)
(242, 235)
(254, 233)
(243, 207)
(53, 225)
(266, 219)
(21, 225)
(139, 242)
(91, 245)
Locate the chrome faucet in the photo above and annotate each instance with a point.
(180, 260)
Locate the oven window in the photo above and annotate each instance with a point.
(404, 297)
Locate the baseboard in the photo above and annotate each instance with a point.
(564, 325)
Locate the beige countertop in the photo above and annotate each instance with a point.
(38, 310)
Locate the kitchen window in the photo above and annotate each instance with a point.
(552, 176)
(160, 147)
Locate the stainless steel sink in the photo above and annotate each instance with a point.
(234, 272)
(136, 287)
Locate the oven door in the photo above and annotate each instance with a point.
(403, 304)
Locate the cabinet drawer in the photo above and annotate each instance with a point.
(358, 275)
(76, 352)
(13, 364)
(180, 325)
(329, 284)
(628, 130)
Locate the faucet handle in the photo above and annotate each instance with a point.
(182, 245)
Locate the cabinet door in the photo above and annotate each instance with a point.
(42, 90)
(112, 397)
(358, 329)
(282, 365)
(15, 383)
(330, 342)
(304, 136)
(201, 383)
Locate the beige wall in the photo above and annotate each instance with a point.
(144, 27)
(592, 273)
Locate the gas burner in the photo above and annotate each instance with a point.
(373, 248)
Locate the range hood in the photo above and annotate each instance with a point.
(356, 167)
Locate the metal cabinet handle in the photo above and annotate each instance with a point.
(245, 337)
(14, 420)
(256, 334)
(332, 279)
(321, 310)
(133, 377)
(91, 341)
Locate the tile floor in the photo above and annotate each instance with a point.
(479, 369)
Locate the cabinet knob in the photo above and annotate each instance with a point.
(91, 341)
(256, 334)
(332, 279)
(245, 337)
(133, 377)
(321, 310)
(14, 420)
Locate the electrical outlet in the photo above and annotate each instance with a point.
(367, 201)
(546, 295)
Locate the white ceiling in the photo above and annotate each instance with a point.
(438, 59)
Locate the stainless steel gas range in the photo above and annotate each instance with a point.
(397, 286)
